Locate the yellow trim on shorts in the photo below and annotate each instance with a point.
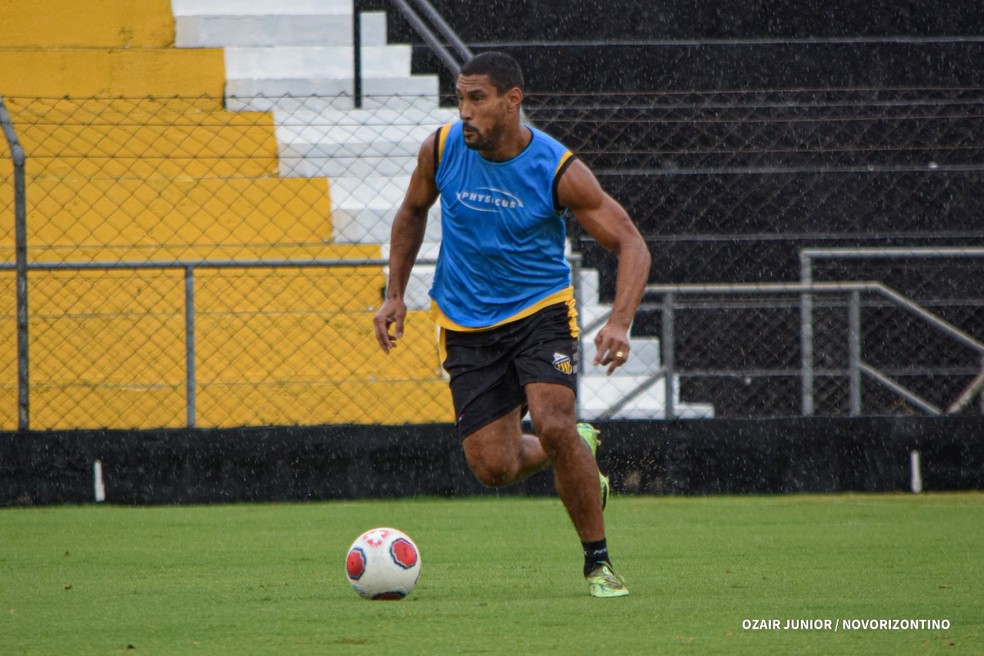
(442, 344)
(563, 296)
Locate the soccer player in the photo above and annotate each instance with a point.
(502, 293)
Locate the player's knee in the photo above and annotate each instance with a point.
(492, 474)
(490, 466)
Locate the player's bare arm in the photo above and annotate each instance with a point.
(409, 226)
(609, 224)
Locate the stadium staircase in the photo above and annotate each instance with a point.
(368, 153)
(134, 158)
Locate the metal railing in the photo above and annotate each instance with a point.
(428, 23)
(432, 28)
(856, 367)
(189, 268)
(808, 258)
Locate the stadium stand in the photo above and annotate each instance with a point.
(211, 130)
(369, 152)
(719, 91)
(134, 158)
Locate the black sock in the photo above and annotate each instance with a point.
(595, 553)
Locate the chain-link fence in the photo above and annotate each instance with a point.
(210, 262)
(177, 277)
(735, 187)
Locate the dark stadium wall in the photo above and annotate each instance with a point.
(736, 66)
(816, 455)
(682, 45)
(597, 20)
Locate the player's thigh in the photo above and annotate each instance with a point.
(551, 410)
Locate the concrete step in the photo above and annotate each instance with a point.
(369, 191)
(295, 24)
(378, 89)
(324, 70)
(204, 23)
(383, 142)
(90, 24)
(167, 145)
(357, 223)
(119, 73)
(406, 115)
(590, 309)
(377, 92)
(213, 23)
(300, 49)
(325, 62)
(422, 277)
(294, 164)
(260, 7)
(253, 31)
(645, 356)
(222, 213)
(295, 103)
(322, 140)
(363, 211)
(378, 198)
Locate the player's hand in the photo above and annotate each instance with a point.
(388, 323)
(611, 347)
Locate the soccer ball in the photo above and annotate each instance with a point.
(383, 563)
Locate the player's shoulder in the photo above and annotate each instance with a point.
(433, 146)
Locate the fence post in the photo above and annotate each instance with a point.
(357, 54)
(854, 352)
(669, 359)
(806, 335)
(20, 250)
(190, 388)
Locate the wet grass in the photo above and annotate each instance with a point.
(500, 576)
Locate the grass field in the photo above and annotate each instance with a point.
(500, 576)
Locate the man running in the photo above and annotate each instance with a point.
(502, 294)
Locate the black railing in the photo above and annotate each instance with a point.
(428, 23)
(435, 31)
(20, 248)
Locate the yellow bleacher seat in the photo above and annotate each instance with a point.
(132, 158)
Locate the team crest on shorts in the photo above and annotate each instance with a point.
(563, 363)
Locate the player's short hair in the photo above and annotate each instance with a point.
(504, 72)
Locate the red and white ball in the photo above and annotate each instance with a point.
(383, 563)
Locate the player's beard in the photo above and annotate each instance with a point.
(482, 141)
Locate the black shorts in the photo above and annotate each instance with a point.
(490, 368)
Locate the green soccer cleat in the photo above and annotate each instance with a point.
(590, 435)
(604, 583)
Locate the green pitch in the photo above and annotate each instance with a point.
(719, 575)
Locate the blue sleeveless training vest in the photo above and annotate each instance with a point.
(503, 236)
